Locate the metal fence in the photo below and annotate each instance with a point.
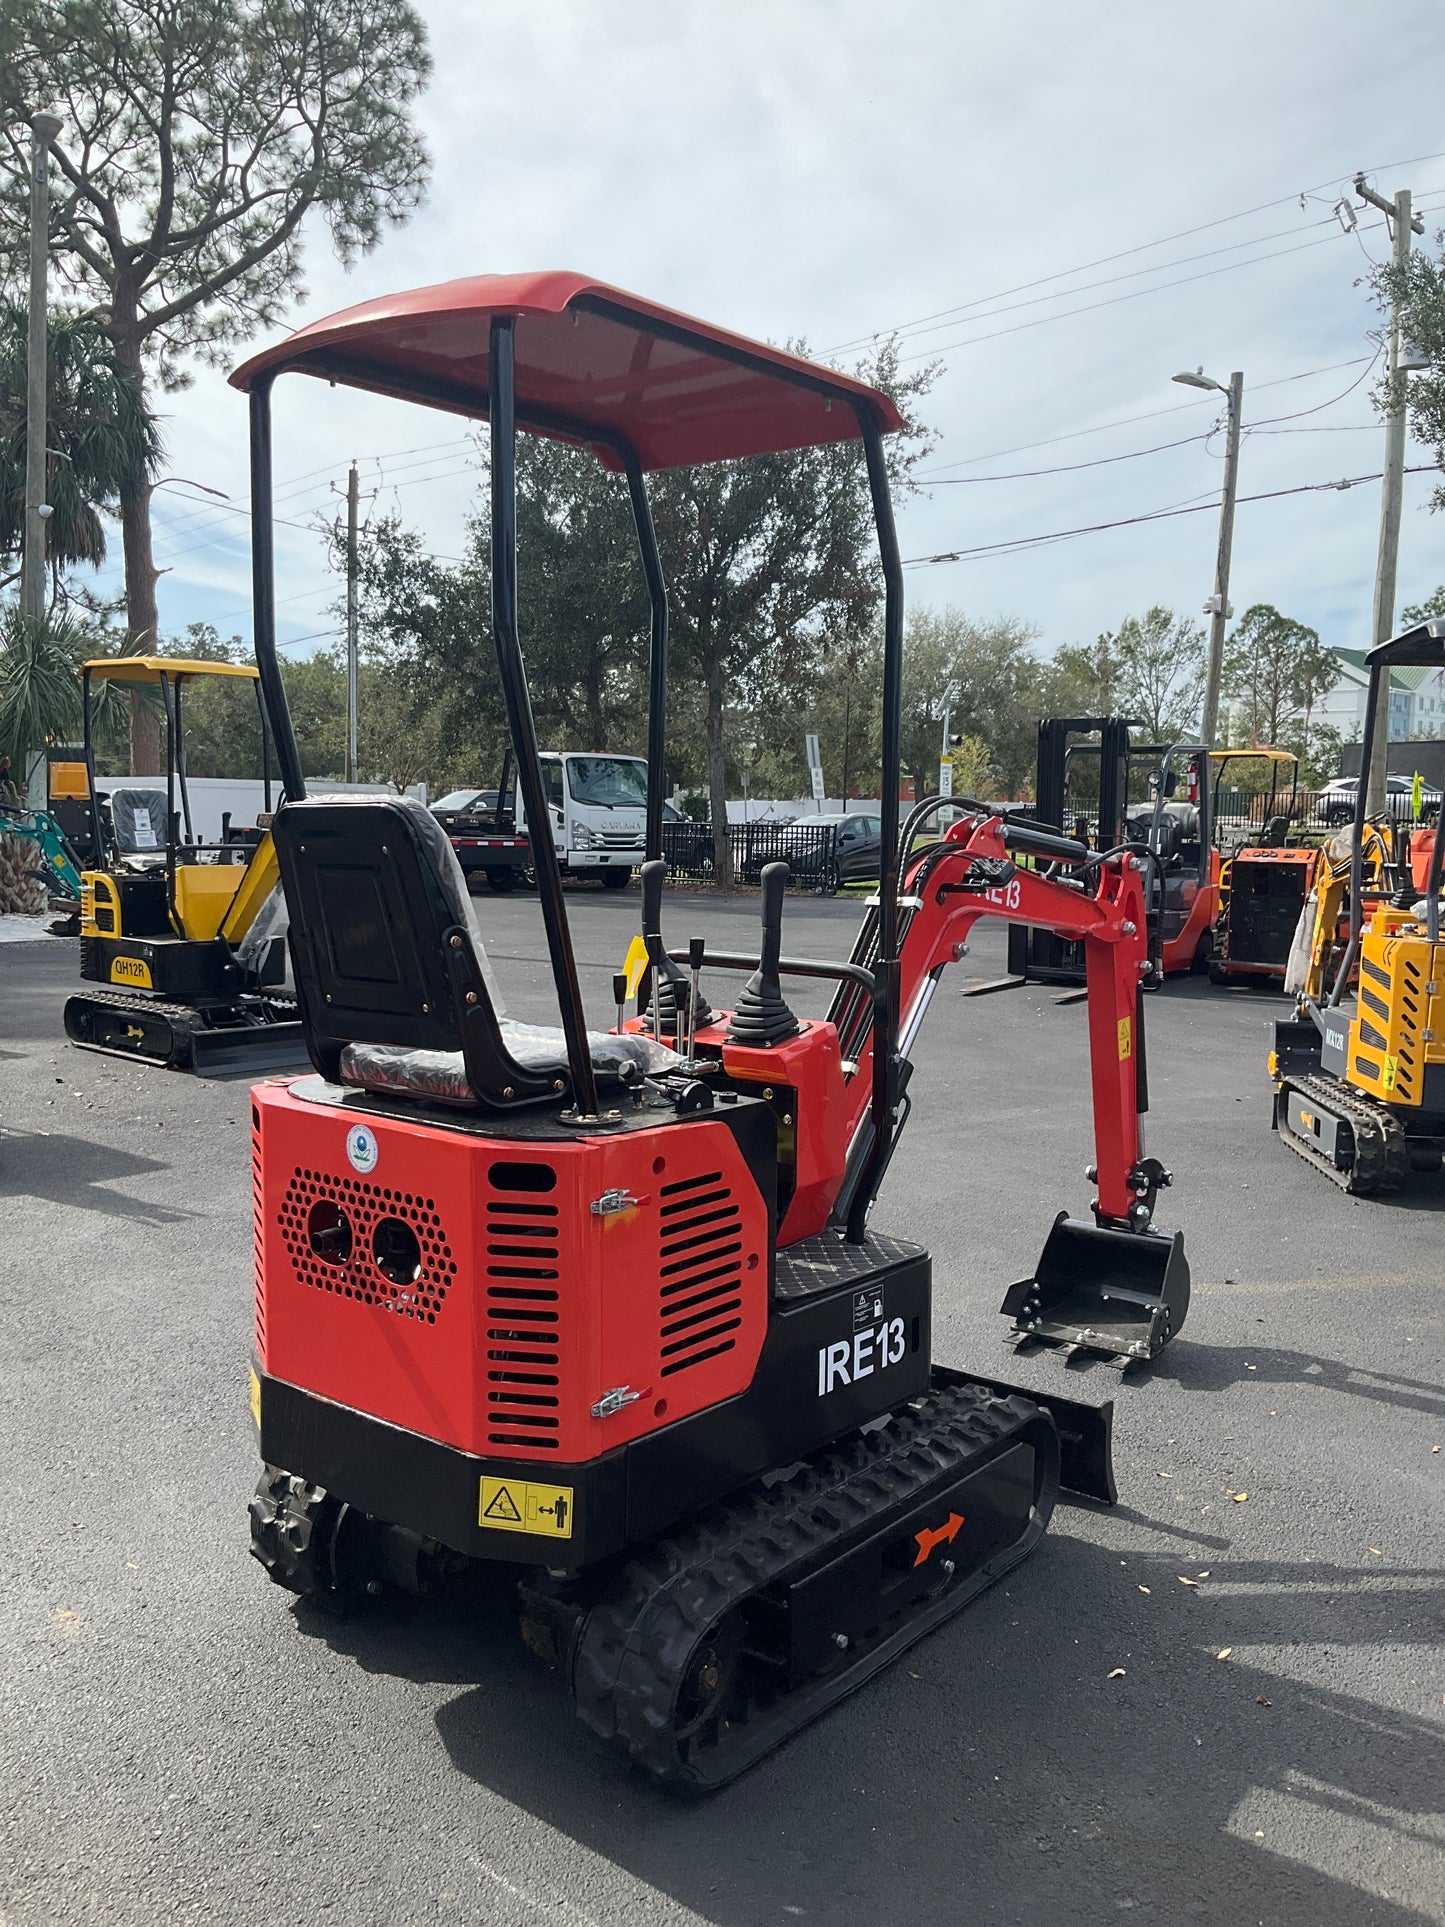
(810, 850)
(1241, 814)
(1244, 816)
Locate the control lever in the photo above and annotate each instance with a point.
(619, 997)
(695, 951)
(762, 1017)
(669, 980)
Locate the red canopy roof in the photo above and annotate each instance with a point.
(590, 359)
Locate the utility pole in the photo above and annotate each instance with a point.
(353, 497)
(43, 129)
(1217, 608)
(1376, 755)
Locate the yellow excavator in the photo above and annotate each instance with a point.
(184, 940)
(1359, 1071)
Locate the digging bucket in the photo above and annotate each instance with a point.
(1122, 1293)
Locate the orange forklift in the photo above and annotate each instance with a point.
(604, 1309)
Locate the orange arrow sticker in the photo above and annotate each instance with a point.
(933, 1536)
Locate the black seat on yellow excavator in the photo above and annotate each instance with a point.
(393, 983)
(138, 822)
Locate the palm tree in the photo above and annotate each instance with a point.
(39, 692)
(98, 433)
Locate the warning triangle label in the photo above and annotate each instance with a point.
(503, 1506)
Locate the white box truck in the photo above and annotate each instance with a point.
(598, 810)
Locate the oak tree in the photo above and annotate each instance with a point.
(199, 136)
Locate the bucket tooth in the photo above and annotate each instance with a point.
(1098, 1289)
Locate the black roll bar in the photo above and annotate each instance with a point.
(168, 704)
(885, 966)
(95, 833)
(657, 660)
(179, 752)
(503, 441)
(265, 749)
(1379, 673)
(263, 592)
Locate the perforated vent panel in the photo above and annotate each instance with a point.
(523, 1323)
(700, 1266)
(393, 1250)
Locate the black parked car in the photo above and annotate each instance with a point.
(824, 849)
(686, 845)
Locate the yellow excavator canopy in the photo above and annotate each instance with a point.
(151, 668)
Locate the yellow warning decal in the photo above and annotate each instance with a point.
(1392, 1066)
(256, 1400)
(517, 1505)
(131, 970)
(1126, 1038)
(633, 964)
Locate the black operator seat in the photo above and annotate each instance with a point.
(139, 822)
(395, 990)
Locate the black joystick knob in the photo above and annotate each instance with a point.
(762, 1017)
(670, 995)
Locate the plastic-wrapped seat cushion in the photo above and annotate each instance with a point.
(441, 1075)
(138, 819)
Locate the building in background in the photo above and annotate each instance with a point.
(1417, 701)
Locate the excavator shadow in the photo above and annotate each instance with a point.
(1280, 1800)
(1210, 1368)
(75, 1172)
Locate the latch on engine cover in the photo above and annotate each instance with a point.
(615, 1200)
(617, 1399)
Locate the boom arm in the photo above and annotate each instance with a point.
(971, 874)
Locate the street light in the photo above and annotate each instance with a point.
(1200, 380)
(1217, 608)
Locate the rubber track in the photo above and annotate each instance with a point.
(637, 1640)
(185, 1022)
(1382, 1154)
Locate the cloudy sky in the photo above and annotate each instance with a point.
(1063, 204)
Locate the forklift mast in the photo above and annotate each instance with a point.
(1041, 953)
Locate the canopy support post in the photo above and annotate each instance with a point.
(884, 1106)
(263, 592)
(519, 712)
(657, 661)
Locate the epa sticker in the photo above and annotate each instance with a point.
(361, 1148)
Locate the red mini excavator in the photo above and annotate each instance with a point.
(605, 1308)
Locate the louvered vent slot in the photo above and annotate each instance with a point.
(258, 1233)
(700, 1267)
(523, 1324)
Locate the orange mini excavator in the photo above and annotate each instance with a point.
(605, 1309)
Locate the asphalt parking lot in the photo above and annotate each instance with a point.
(182, 1743)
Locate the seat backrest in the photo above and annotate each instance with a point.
(138, 821)
(382, 942)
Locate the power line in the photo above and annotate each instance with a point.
(1113, 301)
(912, 331)
(1068, 468)
(1017, 543)
(1319, 407)
(1123, 254)
(1128, 421)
